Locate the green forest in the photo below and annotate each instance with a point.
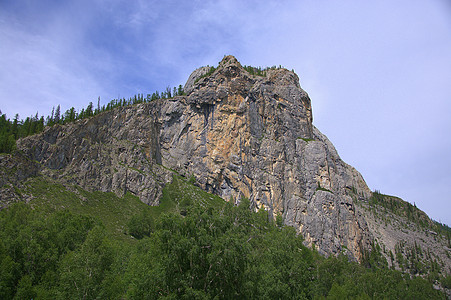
(193, 246)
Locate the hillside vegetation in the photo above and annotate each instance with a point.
(68, 243)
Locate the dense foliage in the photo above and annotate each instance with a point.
(8, 134)
(225, 251)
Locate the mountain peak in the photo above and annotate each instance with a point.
(240, 132)
(229, 60)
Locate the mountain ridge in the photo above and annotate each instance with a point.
(238, 135)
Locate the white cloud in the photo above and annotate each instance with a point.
(40, 70)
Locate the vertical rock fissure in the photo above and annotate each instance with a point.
(155, 142)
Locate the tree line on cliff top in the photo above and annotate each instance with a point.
(11, 130)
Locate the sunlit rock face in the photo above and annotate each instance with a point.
(240, 135)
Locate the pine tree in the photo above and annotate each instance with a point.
(40, 126)
(7, 142)
(88, 111)
(82, 114)
(15, 128)
(50, 120)
(180, 90)
(57, 119)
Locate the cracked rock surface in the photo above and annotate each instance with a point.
(238, 134)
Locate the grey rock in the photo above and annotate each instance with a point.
(15, 169)
(189, 86)
(239, 135)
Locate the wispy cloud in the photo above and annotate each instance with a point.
(43, 67)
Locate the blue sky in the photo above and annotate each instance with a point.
(378, 72)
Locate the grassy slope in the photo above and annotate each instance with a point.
(113, 211)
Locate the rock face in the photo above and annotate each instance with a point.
(115, 151)
(238, 134)
(14, 170)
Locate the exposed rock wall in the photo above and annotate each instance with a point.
(239, 135)
(115, 151)
(14, 170)
(246, 136)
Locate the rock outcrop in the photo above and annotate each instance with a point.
(14, 171)
(238, 134)
(115, 151)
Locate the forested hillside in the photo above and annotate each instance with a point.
(72, 244)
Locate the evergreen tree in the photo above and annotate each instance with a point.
(15, 128)
(40, 126)
(89, 111)
(180, 90)
(50, 120)
(69, 115)
(82, 114)
(7, 142)
(57, 117)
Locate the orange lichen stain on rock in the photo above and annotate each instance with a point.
(234, 100)
(247, 180)
(147, 152)
(225, 139)
(232, 104)
(244, 189)
(276, 198)
(221, 145)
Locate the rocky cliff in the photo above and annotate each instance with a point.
(239, 135)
